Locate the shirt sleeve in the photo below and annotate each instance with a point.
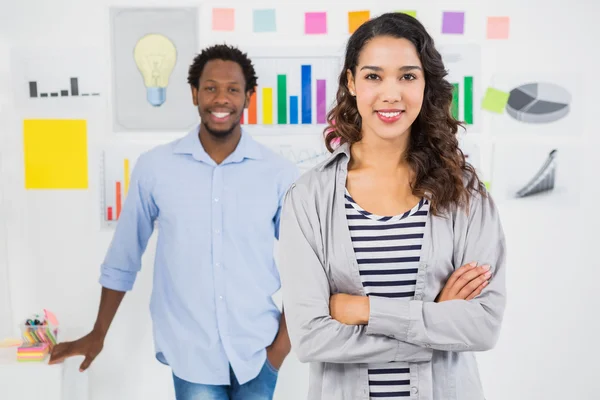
(134, 228)
(455, 325)
(314, 334)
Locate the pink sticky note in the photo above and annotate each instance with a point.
(223, 19)
(315, 23)
(498, 27)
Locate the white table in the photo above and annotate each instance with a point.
(38, 380)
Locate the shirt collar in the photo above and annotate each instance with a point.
(342, 150)
(190, 144)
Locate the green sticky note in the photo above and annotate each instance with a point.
(412, 13)
(495, 100)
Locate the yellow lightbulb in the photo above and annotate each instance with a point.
(155, 57)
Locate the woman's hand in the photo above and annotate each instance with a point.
(349, 309)
(465, 283)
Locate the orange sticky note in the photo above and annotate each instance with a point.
(356, 19)
(498, 27)
(223, 19)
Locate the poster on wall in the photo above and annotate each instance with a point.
(463, 63)
(296, 88)
(544, 174)
(53, 81)
(543, 104)
(152, 50)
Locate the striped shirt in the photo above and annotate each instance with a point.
(388, 251)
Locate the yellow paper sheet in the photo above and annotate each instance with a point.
(55, 154)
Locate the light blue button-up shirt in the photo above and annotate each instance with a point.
(214, 271)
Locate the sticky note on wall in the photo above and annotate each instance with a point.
(315, 23)
(264, 20)
(55, 154)
(495, 100)
(356, 19)
(453, 22)
(223, 19)
(498, 27)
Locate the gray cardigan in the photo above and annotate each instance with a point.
(316, 260)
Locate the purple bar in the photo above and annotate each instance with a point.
(321, 102)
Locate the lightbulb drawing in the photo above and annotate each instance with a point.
(155, 56)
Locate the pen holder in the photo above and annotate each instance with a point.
(36, 334)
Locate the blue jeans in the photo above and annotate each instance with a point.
(259, 388)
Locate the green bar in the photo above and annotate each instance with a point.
(455, 100)
(281, 99)
(469, 100)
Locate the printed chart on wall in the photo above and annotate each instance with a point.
(305, 151)
(537, 173)
(293, 91)
(152, 50)
(463, 63)
(58, 79)
(117, 163)
(537, 103)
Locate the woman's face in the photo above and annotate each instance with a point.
(389, 85)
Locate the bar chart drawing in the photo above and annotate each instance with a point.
(116, 166)
(463, 63)
(59, 77)
(74, 90)
(293, 90)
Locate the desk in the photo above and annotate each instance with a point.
(40, 381)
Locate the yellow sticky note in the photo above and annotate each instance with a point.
(55, 154)
(356, 19)
(412, 13)
(495, 100)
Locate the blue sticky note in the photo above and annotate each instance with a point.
(264, 20)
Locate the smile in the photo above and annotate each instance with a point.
(220, 116)
(390, 116)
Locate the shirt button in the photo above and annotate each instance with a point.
(221, 297)
(217, 265)
(216, 199)
(418, 297)
(217, 231)
(415, 389)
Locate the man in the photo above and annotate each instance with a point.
(217, 196)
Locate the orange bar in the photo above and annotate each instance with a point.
(252, 110)
(118, 199)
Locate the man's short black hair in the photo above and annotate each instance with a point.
(226, 53)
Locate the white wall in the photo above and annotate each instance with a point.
(548, 344)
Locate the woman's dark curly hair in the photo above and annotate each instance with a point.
(226, 53)
(438, 163)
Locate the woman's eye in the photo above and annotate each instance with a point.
(371, 76)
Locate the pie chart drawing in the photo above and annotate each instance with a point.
(538, 103)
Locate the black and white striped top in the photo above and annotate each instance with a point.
(388, 252)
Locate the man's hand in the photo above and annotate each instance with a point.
(465, 283)
(281, 346)
(89, 346)
(349, 309)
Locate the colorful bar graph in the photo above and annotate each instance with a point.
(118, 199)
(252, 109)
(109, 213)
(306, 81)
(126, 175)
(455, 99)
(294, 110)
(468, 102)
(267, 105)
(281, 99)
(321, 101)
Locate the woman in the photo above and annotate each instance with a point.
(372, 240)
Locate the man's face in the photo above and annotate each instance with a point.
(221, 96)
